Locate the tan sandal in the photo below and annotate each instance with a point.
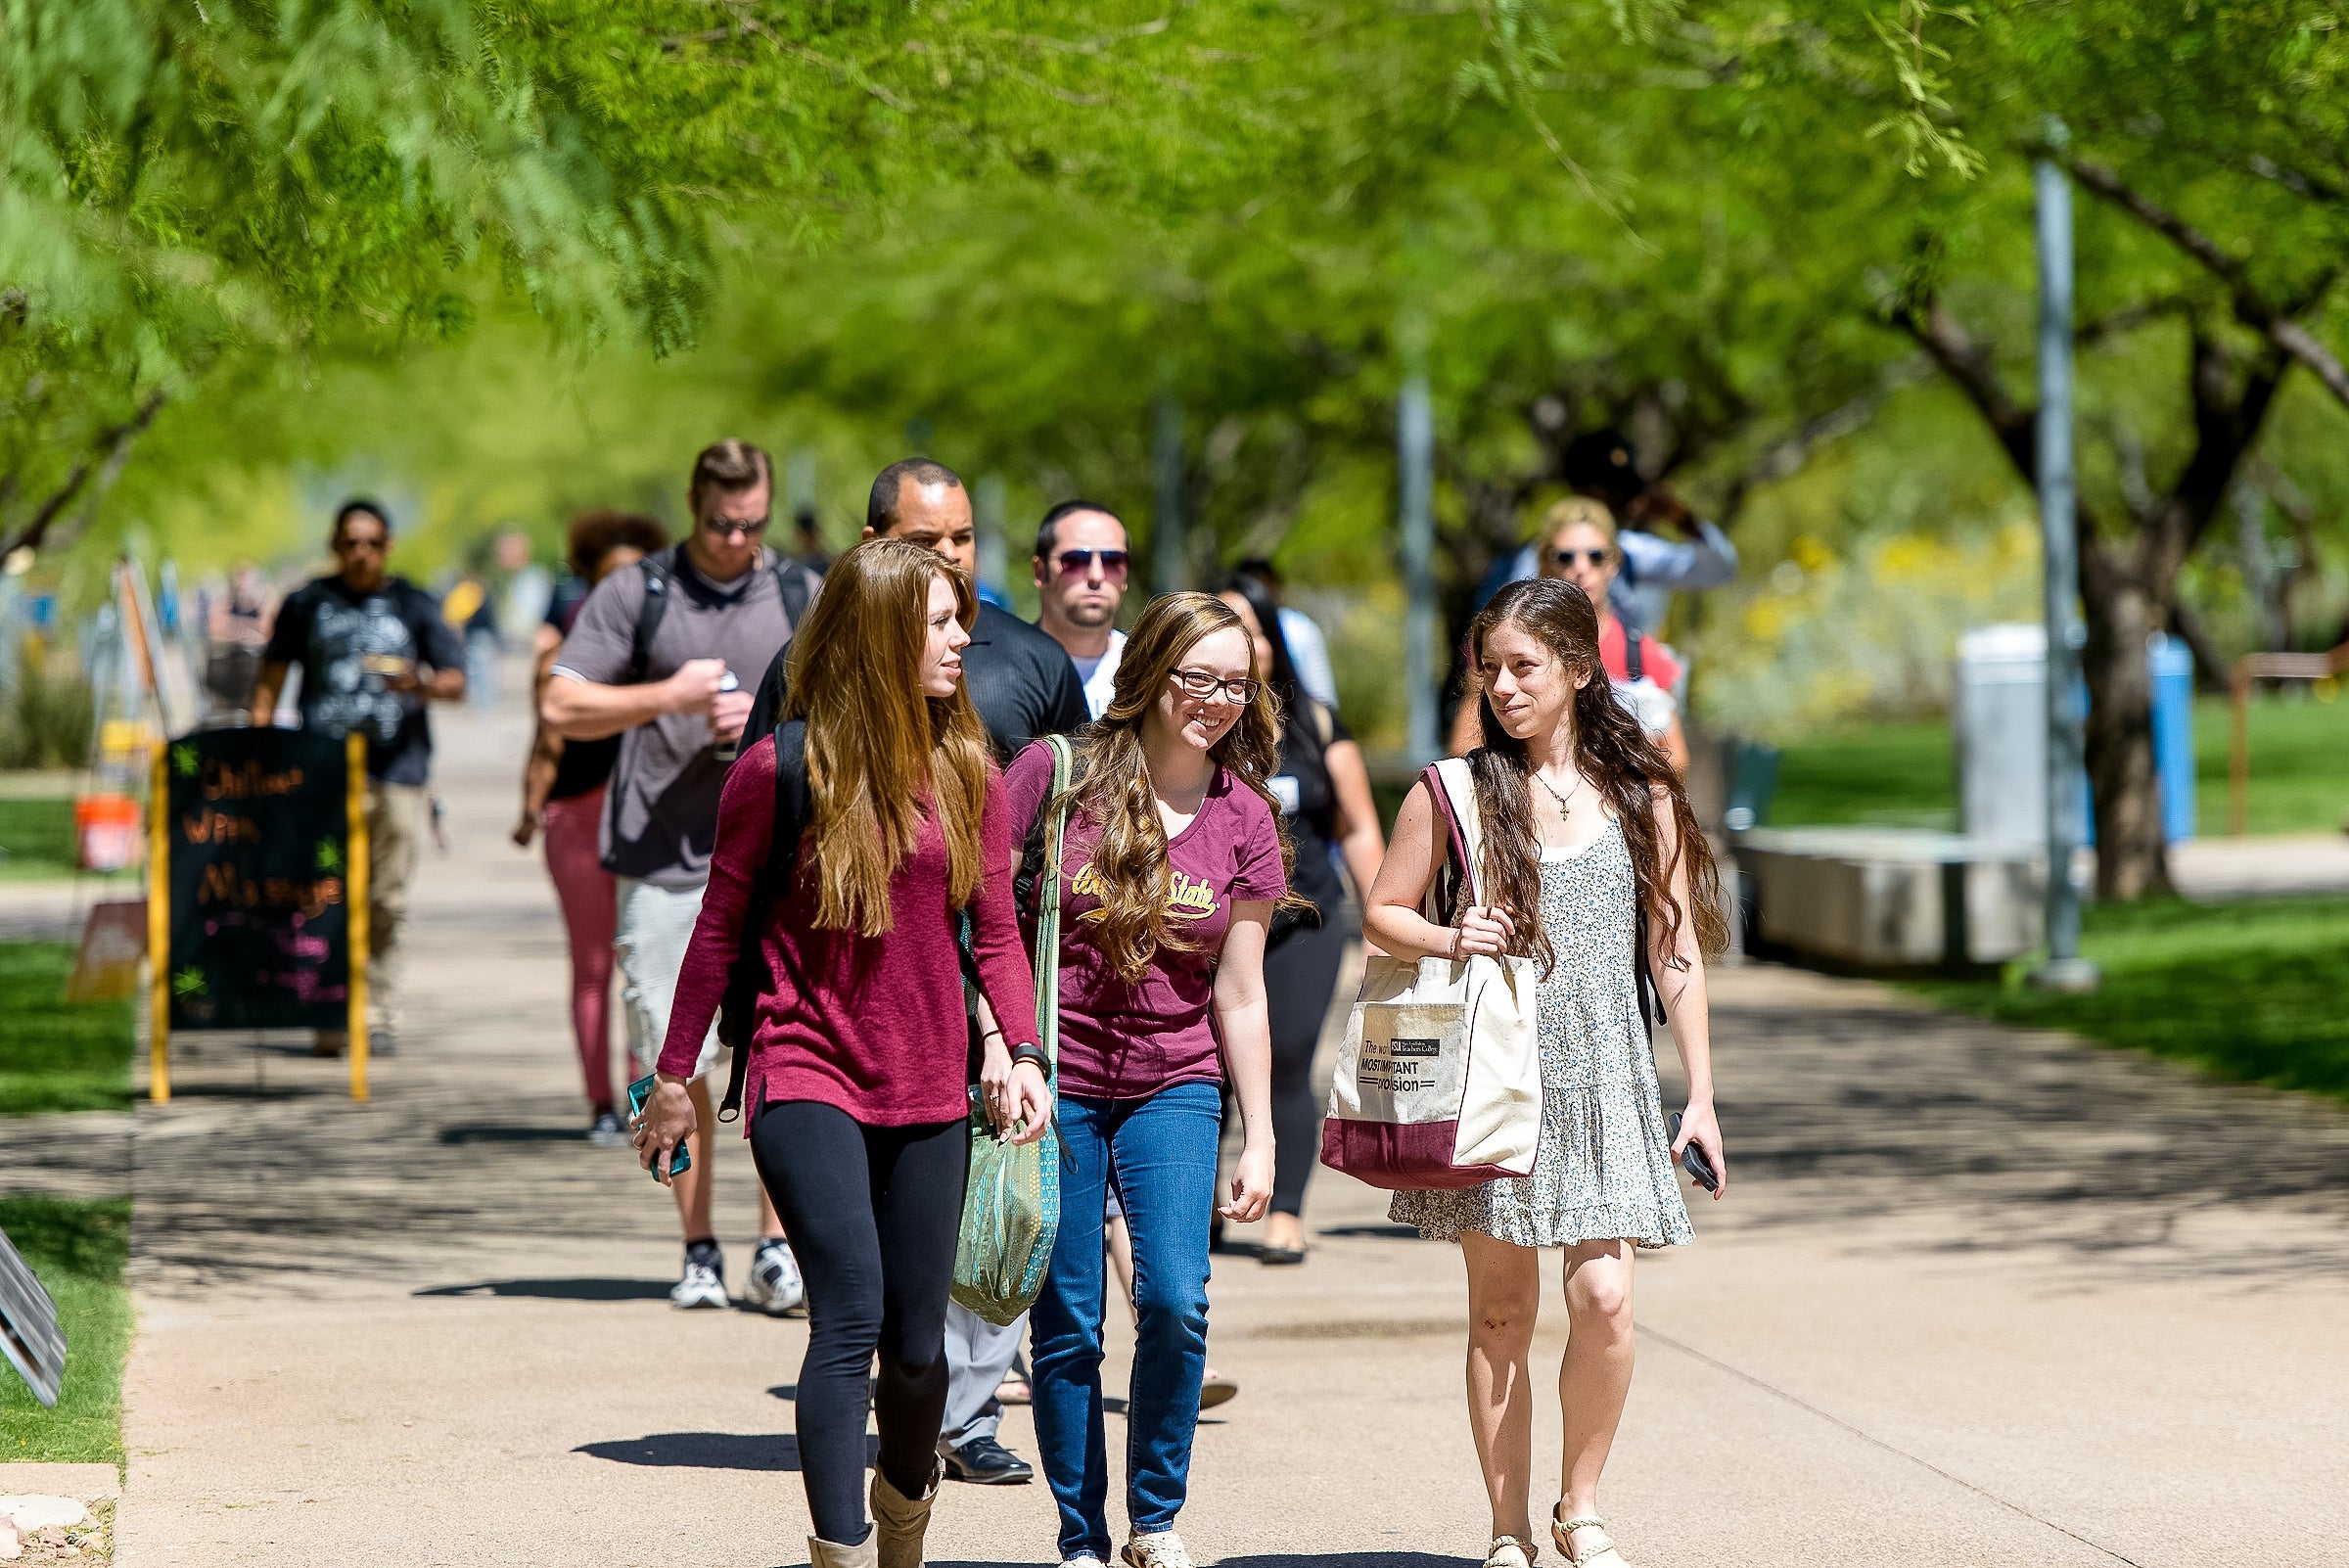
(1509, 1551)
(1602, 1555)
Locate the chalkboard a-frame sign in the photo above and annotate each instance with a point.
(257, 897)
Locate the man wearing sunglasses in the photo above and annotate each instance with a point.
(1081, 565)
(373, 650)
(658, 655)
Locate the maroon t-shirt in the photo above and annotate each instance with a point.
(1126, 1041)
(873, 1025)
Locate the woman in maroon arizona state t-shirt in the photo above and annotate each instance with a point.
(859, 1054)
(1173, 864)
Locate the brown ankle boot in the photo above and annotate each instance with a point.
(832, 1554)
(899, 1522)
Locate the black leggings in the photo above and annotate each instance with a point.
(872, 1214)
(1300, 971)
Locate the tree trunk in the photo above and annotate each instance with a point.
(2122, 609)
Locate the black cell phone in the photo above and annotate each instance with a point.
(641, 1091)
(1692, 1160)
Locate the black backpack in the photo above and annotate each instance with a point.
(749, 975)
(795, 582)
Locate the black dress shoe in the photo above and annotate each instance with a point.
(986, 1462)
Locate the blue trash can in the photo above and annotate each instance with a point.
(2173, 734)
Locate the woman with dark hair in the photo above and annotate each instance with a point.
(1589, 849)
(562, 793)
(859, 1069)
(1174, 864)
(1323, 788)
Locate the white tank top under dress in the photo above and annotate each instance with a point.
(1605, 1168)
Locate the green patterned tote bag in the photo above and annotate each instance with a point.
(1011, 1207)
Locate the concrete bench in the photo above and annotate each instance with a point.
(1888, 899)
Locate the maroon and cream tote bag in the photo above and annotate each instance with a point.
(1438, 1083)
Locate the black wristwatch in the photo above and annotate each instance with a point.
(1033, 1053)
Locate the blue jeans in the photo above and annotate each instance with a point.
(1161, 1152)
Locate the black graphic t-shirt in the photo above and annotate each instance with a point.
(350, 646)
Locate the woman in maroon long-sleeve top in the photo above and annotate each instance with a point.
(859, 1060)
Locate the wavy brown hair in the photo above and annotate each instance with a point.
(1613, 750)
(1113, 790)
(880, 753)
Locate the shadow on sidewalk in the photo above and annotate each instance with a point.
(559, 1289)
(566, 1134)
(1351, 1559)
(1862, 1110)
(710, 1451)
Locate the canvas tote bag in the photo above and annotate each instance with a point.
(1438, 1083)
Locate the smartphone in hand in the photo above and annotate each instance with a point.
(1692, 1160)
(641, 1091)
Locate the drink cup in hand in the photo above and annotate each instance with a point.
(730, 710)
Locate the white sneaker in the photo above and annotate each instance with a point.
(702, 1286)
(775, 1287)
(1160, 1550)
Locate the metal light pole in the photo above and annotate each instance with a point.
(1165, 518)
(988, 524)
(2065, 969)
(1414, 471)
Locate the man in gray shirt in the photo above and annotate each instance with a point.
(661, 652)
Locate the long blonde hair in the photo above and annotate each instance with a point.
(879, 752)
(1114, 793)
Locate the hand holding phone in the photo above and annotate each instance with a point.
(682, 1158)
(1692, 1160)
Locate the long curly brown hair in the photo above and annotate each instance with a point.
(880, 753)
(1623, 763)
(1113, 788)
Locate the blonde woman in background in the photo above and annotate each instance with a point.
(1579, 544)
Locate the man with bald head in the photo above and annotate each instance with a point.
(1021, 680)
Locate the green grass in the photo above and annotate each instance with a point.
(1904, 775)
(78, 1249)
(38, 836)
(1880, 775)
(2299, 765)
(58, 1056)
(2249, 990)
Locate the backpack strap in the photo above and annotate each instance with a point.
(658, 569)
(769, 884)
(1634, 662)
(797, 586)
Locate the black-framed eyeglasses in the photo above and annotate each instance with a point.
(1567, 558)
(725, 528)
(1076, 563)
(1206, 683)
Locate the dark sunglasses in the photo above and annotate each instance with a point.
(1076, 563)
(1566, 558)
(1206, 683)
(725, 528)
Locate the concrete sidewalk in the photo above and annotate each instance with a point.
(1977, 1297)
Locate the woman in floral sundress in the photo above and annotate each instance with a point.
(1588, 847)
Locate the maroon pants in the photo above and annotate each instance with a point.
(591, 913)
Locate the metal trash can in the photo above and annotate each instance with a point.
(2000, 711)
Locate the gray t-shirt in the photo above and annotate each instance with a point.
(660, 810)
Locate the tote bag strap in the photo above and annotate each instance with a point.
(1047, 924)
(1453, 789)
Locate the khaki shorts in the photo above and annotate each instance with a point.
(656, 926)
